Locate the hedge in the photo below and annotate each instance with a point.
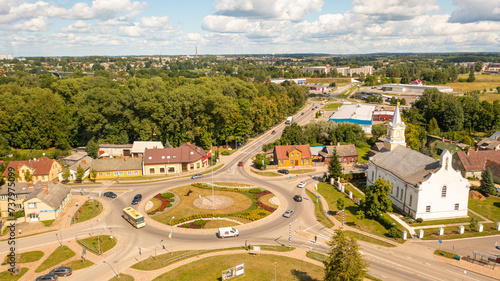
(205, 186)
(192, 217)
(167, 195)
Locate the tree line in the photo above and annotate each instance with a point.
(72, 111)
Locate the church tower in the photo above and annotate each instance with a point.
(395, 131)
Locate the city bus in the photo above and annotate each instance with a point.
(133, 217)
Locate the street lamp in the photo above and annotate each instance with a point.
(111, 268)
(170, 236)
(275, 271)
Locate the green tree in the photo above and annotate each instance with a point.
(80, 172)
(261, 161)
(92, 149)
(334, 167)
(360, 215)
(478, 66)
(487, 185)
(498, 90)
(66, 174)
(403, 101)
(377, 199)
(292, 135)
(378, 131)
(93, 174)
(340, 203)
(28, 177)
(471, 77)
(344, 261)
(433, 128)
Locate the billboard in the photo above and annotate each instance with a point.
(233, 272)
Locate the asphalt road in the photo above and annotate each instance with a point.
(410, 261)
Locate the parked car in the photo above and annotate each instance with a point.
(240, 164)
(137, 199)
(273, 132)
(302, 113)
(284, 171)
(109, 194)
(197, 176)
(301, 184)
(297, 198)
(62, 271)
(288, 213)
(47, 277)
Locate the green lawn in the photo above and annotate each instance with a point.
(90, 211)
(451, 232)
(444, 254)
(266, 174)
(6, 275)
(257, 267)
(368, 239)
(59, 255)
(490, 208)
(78, 264)
(106, 243)
(448, 221)
(301, 171)
(331, 194)
(363, 154)
(332, 106)
(48, 223)
(319, 210)
(30, 256)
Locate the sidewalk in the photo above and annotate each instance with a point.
(410, 229)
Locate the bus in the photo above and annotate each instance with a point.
(133, 217)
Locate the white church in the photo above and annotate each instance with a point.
(422, 187)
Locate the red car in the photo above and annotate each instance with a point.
(240, 164)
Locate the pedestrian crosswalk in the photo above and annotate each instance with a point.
(323, 235)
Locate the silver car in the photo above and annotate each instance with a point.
(288, 213)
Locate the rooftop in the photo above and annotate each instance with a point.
(117, 164)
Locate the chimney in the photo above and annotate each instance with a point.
(477, 148)
(331, 143)
(84, 162)
(46, 186)
(55, 181)
(188, 143)
(443, 138)
(496, 137)
(125, 158)
(30, 184)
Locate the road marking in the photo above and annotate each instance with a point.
(426, 263)
(397, 264)
(463, 275)
(311, 227)
(409, 257)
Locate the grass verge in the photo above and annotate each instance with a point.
(153, 263)
(90, 211)
(368, 239)
(319, 211)
(78, 264)
(257, 267)
(48, 223)
(7, 275)
(30, 256)
(452, 232)
(448, 221)
(59, 255)
(301, 171)
(122, 277)
(266, 174)
(444, 254)
(92, 243)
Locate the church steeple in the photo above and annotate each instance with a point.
(395, 131)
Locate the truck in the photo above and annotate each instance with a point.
(228, 232)
(289, 120)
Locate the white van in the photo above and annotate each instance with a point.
(228, 232)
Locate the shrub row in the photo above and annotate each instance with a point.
(352, 176)
(192, 217)
(222, 188)
(167, 195)
(387, 224)
(199, 222)
(166, 199)
(255, 214)
(262, 205)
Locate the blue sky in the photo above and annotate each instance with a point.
(128, 27)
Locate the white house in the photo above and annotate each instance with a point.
(423, 187)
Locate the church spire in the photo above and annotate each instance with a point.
(395, 131)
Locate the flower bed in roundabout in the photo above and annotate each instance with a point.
(231, 206)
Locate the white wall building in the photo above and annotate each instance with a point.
(423, 187)
(414, 88)
(6, 56)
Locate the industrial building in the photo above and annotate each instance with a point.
(413, 88)
(355, 113)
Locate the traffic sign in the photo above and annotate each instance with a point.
(290, 238)
(440, 241)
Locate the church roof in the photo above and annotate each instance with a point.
(406, 164)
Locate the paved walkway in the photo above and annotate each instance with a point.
(410, 229)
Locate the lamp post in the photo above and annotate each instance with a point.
(275, 271)
(170, 236)
(111, 268)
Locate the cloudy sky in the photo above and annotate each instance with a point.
(128, 27)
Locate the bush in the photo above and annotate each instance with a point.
(225, 152)
(199, 222)
(167, 195)
(161, 210)
(168, 205)
(385, 222)
(81, 208)
(255, 190)
(394, 232)
(420, 220)
(152, 213)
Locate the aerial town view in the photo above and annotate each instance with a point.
(250, 140)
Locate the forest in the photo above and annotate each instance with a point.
(41, 112)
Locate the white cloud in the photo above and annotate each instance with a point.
(475, 10)
(78, 27)
(35, 24)
(394, 10)
(293, 10)
(103, 9)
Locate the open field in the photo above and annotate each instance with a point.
(257, 267)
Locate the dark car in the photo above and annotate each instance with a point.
(284, 171)
(47, 277)
(137, 199)
(240, 163)
(297, 198)
(273, 132)
(109, 194)
(197, 176)
(302, 113)
(62, 271)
